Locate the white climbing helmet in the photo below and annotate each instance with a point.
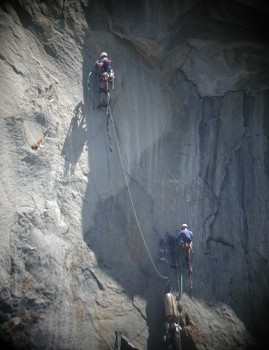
(103, 54)
(184, 226)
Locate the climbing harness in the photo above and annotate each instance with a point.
(183, 250)
(178, 259)
(107, 83)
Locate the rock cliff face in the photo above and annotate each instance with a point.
(190, 118)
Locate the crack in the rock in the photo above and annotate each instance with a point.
(99, 284)
(220, 240)
(138, 310)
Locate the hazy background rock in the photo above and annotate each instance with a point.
(190, 112)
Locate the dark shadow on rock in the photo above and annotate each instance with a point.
(109, 225)
(6, 345)
(93, 88)
(155, 314)
(75, 139)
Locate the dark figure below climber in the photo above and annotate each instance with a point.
(184, 245)
(106, 80)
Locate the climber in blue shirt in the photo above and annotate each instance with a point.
(184, 239)
(184, 234)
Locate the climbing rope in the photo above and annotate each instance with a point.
(107, 132)
(180, 277)
(130, 195)
(109, 114)
(184, 266)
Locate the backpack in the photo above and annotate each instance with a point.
(107, 67)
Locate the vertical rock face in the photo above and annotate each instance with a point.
(190, 119)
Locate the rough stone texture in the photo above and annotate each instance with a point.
(190, 112)
(212, 327)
